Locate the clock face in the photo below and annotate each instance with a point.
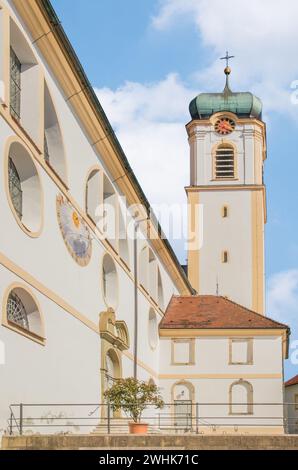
(74, 230)
(224, 126)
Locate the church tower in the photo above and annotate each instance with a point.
(226, 196)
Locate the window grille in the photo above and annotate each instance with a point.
(15, 188)
(15, 85)
(224, 162)
(16, 311)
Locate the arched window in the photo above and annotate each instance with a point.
(143, 267)
(93, 195)
(110, 208)
(148, 269)
(153, 329)
(123, 240)
(224, 162)
(24, 83)
(53, 144)
(152, 267)
(23, 313)
(16, 311)
(161, 303)
(183, 394)
(110, 281)
(25, 195)
(241, 398)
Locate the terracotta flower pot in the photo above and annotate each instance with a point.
(138, 428)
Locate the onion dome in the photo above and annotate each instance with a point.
(243, 104)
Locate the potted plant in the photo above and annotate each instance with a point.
(133, 396)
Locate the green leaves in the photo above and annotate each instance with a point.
(133, 396)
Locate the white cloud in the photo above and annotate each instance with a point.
(282, 296)
(149, 121)
(263, 35)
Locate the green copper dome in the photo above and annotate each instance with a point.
(242, 104)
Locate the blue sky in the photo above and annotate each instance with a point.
(147, 59)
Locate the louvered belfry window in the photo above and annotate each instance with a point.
(224, 162)
(15, 85)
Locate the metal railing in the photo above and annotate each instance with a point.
(85, 418)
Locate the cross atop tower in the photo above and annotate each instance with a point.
(227, 57)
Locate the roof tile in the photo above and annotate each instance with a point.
(292, 381)
(210, 311)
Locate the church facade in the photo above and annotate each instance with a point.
(90, 288)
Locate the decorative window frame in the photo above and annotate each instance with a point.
(191, 359)
(40, 339)
(250, 395)
(250, 347)
(9, 142)
(231, 144)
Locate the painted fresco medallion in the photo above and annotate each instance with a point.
(74, 230)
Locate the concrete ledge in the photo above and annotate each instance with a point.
(188, 442)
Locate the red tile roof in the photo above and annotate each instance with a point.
(210, 311)
(292, 381)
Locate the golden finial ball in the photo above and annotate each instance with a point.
(227, 70)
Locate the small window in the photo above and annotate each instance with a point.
(241, 351)
(183, 352)
(225, 257)
(296, 401)
(224, 162)
(225, 212)
(15, 85)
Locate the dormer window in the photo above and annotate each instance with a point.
(224, 162)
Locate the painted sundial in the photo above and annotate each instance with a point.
(74, 230)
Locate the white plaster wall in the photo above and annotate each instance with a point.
(66, 370)
(233, 234)
(212, 357)
(211, 376)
